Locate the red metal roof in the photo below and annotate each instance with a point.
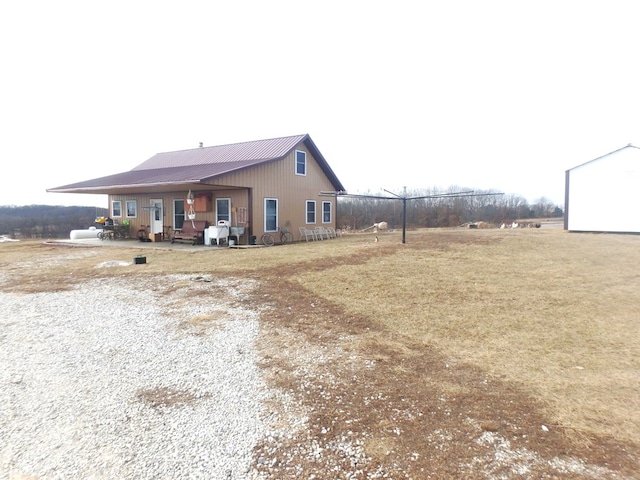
(259, 150)
(200, 164)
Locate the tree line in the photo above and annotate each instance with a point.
(444, 209)
(46, 221)
(356, 213)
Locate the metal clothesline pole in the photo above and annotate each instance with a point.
(404, 198)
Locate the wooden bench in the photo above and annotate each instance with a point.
(192, 231)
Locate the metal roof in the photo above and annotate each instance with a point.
(259, 150)
(605, 155)
(199, 165)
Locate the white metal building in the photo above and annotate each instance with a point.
(602, 195)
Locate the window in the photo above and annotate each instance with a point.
(311, 211)
(326, 212)
(270, 214)
(157, 210)
(301, 163)
(223, 209)
(178, 214)
(116, 208)
(132, 209)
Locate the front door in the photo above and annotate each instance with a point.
(157, 214)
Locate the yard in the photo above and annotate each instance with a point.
(460, 354)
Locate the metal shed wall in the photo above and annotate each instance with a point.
(602, 195)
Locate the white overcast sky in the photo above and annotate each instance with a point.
(502, 95)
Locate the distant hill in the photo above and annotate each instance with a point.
(46, 221)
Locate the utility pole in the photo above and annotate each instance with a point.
(404, 216)
(404, 212)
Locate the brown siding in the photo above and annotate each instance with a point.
(239, 198)
(143, 216)
(278, 180)
(275, 179)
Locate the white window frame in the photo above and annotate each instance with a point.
(308, 211)
(183, 215)
(304, 163)
(327, 205)
(228, 201)
(134, 204)
(266, 200)
(113, 208)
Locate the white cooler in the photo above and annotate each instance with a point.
(215, 234)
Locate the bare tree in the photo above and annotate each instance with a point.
(426, 208)
(543, 207)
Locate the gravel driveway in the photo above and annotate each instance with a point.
(116, 379)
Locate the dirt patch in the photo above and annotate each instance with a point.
(399, 408)
(157, 397)
(382, 405)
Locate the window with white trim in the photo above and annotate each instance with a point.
(178, 213)
(223, 209)
(301, 162)
(270, 214)
(311, 211)
(132, 209)
(326, 212)
(116, 208)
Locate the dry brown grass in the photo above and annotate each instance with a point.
(456, 333)
(558, 313)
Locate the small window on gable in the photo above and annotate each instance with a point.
(132, 209)
(301, 162)
(311, 211)
(116, 208)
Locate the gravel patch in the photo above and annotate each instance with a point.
(110, 380)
